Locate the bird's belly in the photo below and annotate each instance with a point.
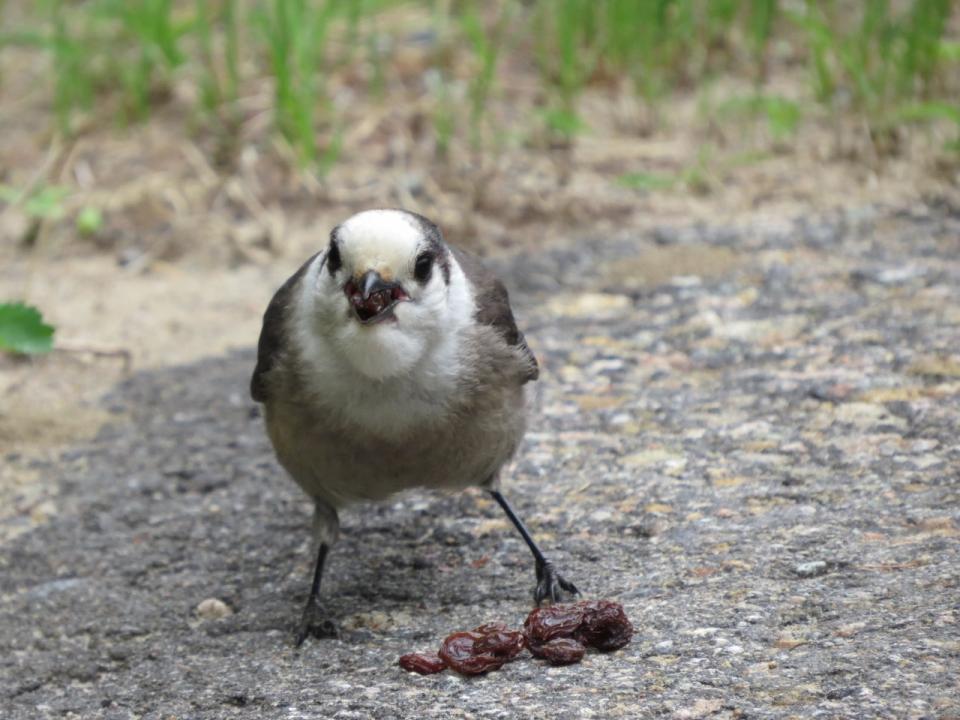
(342, 466)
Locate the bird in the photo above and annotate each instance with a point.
(391, 360)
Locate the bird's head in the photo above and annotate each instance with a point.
(382, 295)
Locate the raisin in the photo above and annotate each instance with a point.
(601, 624)
(502, 643)
(423, 663)
(560, 634)
(545, 624)
(562, 651)
(486, 648)
(459, 652)
(605, 625)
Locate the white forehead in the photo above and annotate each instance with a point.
(379, 239)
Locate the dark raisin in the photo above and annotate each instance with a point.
(487, 648)
(601, 624)
(544, 624)
(458, 652)
(559, 634)
(605, 625)
(501, 643)
(562, 651)
(423, 663)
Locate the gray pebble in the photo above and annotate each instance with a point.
(815, 568)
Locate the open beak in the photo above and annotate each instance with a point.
(373, 298)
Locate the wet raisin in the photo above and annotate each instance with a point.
(502, 643)
(562, 651)
(605, 625)
(459, 653)
(559, 634)
(423, 663)
(601, 624)
(545, 624)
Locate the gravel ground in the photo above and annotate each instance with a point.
(747, 436)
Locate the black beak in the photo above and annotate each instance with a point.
(372, 297)
(371, 283)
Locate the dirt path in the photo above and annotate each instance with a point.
(746, 436)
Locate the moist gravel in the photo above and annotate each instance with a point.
(748, 436)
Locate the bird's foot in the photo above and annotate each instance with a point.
(552, 586)
(315, 622)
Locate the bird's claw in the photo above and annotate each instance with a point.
(552, 586)
(315, 622)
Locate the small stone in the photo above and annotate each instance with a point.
(658, 508)
(664, 647)
(700, 709)
(43, 512)
(815, 568)
(848, 631)
(788, 642)
(213, 609)
(867, 415)
(650, 457)
(921, 446)
(590, 305)
(898, 275)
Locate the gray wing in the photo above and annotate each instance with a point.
(273, 334)
(493, 306)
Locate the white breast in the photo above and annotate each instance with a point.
(348, 368)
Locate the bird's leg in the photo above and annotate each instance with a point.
(550, 584)
(314, 620)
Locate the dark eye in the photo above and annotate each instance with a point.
(421, 271)
(333, 258)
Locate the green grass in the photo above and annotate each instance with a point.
(892, 62)
(485, 46)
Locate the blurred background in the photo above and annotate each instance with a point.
(165, 164)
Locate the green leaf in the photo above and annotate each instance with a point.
(89, 220)
(44, 203)
(23, 331)
(47, 202)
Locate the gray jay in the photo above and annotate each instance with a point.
(391, 360)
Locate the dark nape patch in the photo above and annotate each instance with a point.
(332, 259)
